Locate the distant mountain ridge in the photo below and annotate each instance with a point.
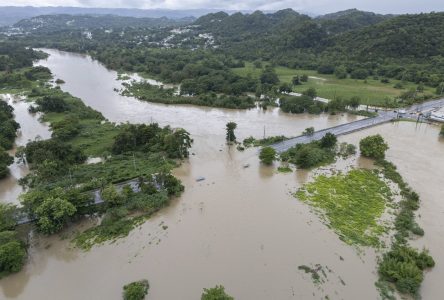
(10, 15)
(52, 23)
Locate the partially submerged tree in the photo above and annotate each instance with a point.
(216, 293)
(373, 146)
(328, 140)
(136, 290)
(231, 137)
(267, 155)
(53, 214)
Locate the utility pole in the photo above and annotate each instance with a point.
(264, 132)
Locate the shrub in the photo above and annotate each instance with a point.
(359, 74)
(267, 155)
(216, 293)
(403, 266)
(308, 155)
(136, 290)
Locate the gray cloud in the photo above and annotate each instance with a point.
(318, 6)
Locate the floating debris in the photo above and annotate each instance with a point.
(246, 166)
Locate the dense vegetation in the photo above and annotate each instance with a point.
(8, 128)
(313, 154)
(60, 183)
(58, 196)
(251, 141)
(65, 22)
(136, 290)
(151, 93)
(12, 57)
(352, 204)
(12, 249)
(216, 293)
(404, 265)
(351, 44)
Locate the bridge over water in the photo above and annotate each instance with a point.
(381, 118)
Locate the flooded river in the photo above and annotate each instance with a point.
(240, 227)
(30, 128)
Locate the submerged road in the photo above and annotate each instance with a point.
(382, 117)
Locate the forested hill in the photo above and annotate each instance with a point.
(268, 34)
(350, 19)
(50, 23)
(406, 36)
(351, 33)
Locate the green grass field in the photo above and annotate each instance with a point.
(371, 91)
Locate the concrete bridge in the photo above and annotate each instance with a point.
(381, 118)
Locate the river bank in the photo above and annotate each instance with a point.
(241, 227)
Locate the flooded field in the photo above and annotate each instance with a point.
(240, 227)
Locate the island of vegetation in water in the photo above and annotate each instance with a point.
(352, 205)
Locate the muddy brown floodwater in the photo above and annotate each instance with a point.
(240, 227)
(30, 128)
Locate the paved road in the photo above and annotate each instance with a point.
(383, 117)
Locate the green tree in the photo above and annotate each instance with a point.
(359, 74)
(231, 126)
(136, 290)
(354, 102)
(285, 87)
(440, 89)
(216, 293)
(341, 72)
(269, 76)
(267, 155)
(178, 143)
(328, 140)
(308, 131)
(373, 146)
(53, 214)
(7, 221)
(111, 196)
(295, 80)
(12, 253)
(5, 161)
(310, 92)
(304, 78)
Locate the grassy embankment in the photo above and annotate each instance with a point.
(370, 91)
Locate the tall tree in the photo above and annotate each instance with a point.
(231, 126)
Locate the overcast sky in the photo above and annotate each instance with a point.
(314, 6)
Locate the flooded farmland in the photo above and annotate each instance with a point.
(240, 227)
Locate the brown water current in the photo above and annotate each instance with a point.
(240, 227)
(30, 128)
